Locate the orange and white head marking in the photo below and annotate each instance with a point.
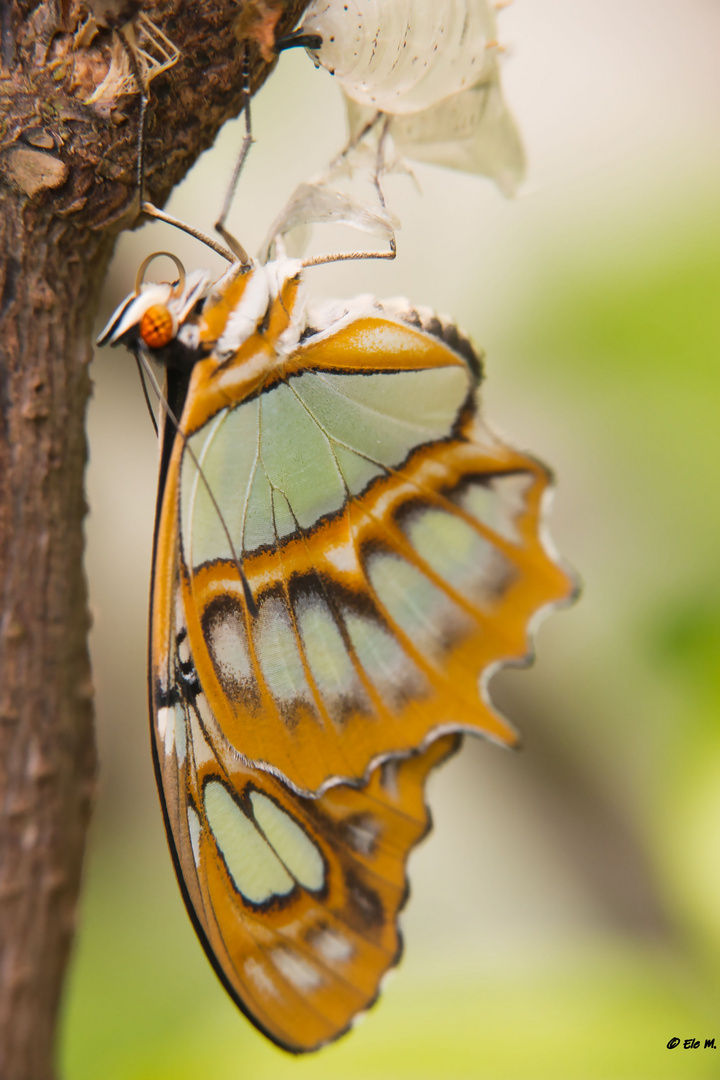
(157, 311)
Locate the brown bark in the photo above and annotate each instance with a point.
(67, 187)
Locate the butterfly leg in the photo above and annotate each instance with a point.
(149, 208)
(384, 121)
(150, 52)
(144, 68)
(247, 142)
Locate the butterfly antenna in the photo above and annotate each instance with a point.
(247, 142)
(343, 256)
(165, 405)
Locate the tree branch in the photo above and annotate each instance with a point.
(67, 188)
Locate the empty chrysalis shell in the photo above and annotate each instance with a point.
(407, 55)
(431, 68)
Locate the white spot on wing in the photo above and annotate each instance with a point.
(180, 733)
(257, 975)
(169, 729)
(202, 705)
(201, 750)
(363, 834)
(162, 719)
(228, 646)
(332, 946)
(195, 829)
(343, 557)
(389, 778)
(296, 969)
(183, 651)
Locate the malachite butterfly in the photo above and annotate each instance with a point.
(344, 554)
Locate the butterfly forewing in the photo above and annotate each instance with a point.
(390, 543)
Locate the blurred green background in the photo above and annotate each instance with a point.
(565, 916)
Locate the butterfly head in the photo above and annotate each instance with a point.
(158, 315)
(177, 322)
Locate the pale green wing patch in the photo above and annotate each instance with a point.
(226, 449)
(254, 867)
(383, 416)
(290, 456)
(296, 457)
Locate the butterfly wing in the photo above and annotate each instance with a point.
(357, 552)
(343, 554)
(296, 900)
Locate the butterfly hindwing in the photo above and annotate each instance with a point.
(295, 899)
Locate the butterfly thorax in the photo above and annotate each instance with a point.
(247, 330)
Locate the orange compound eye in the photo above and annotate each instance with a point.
(157, 327)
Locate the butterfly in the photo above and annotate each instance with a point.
(344, 553)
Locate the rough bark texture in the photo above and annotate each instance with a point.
(67, 187)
